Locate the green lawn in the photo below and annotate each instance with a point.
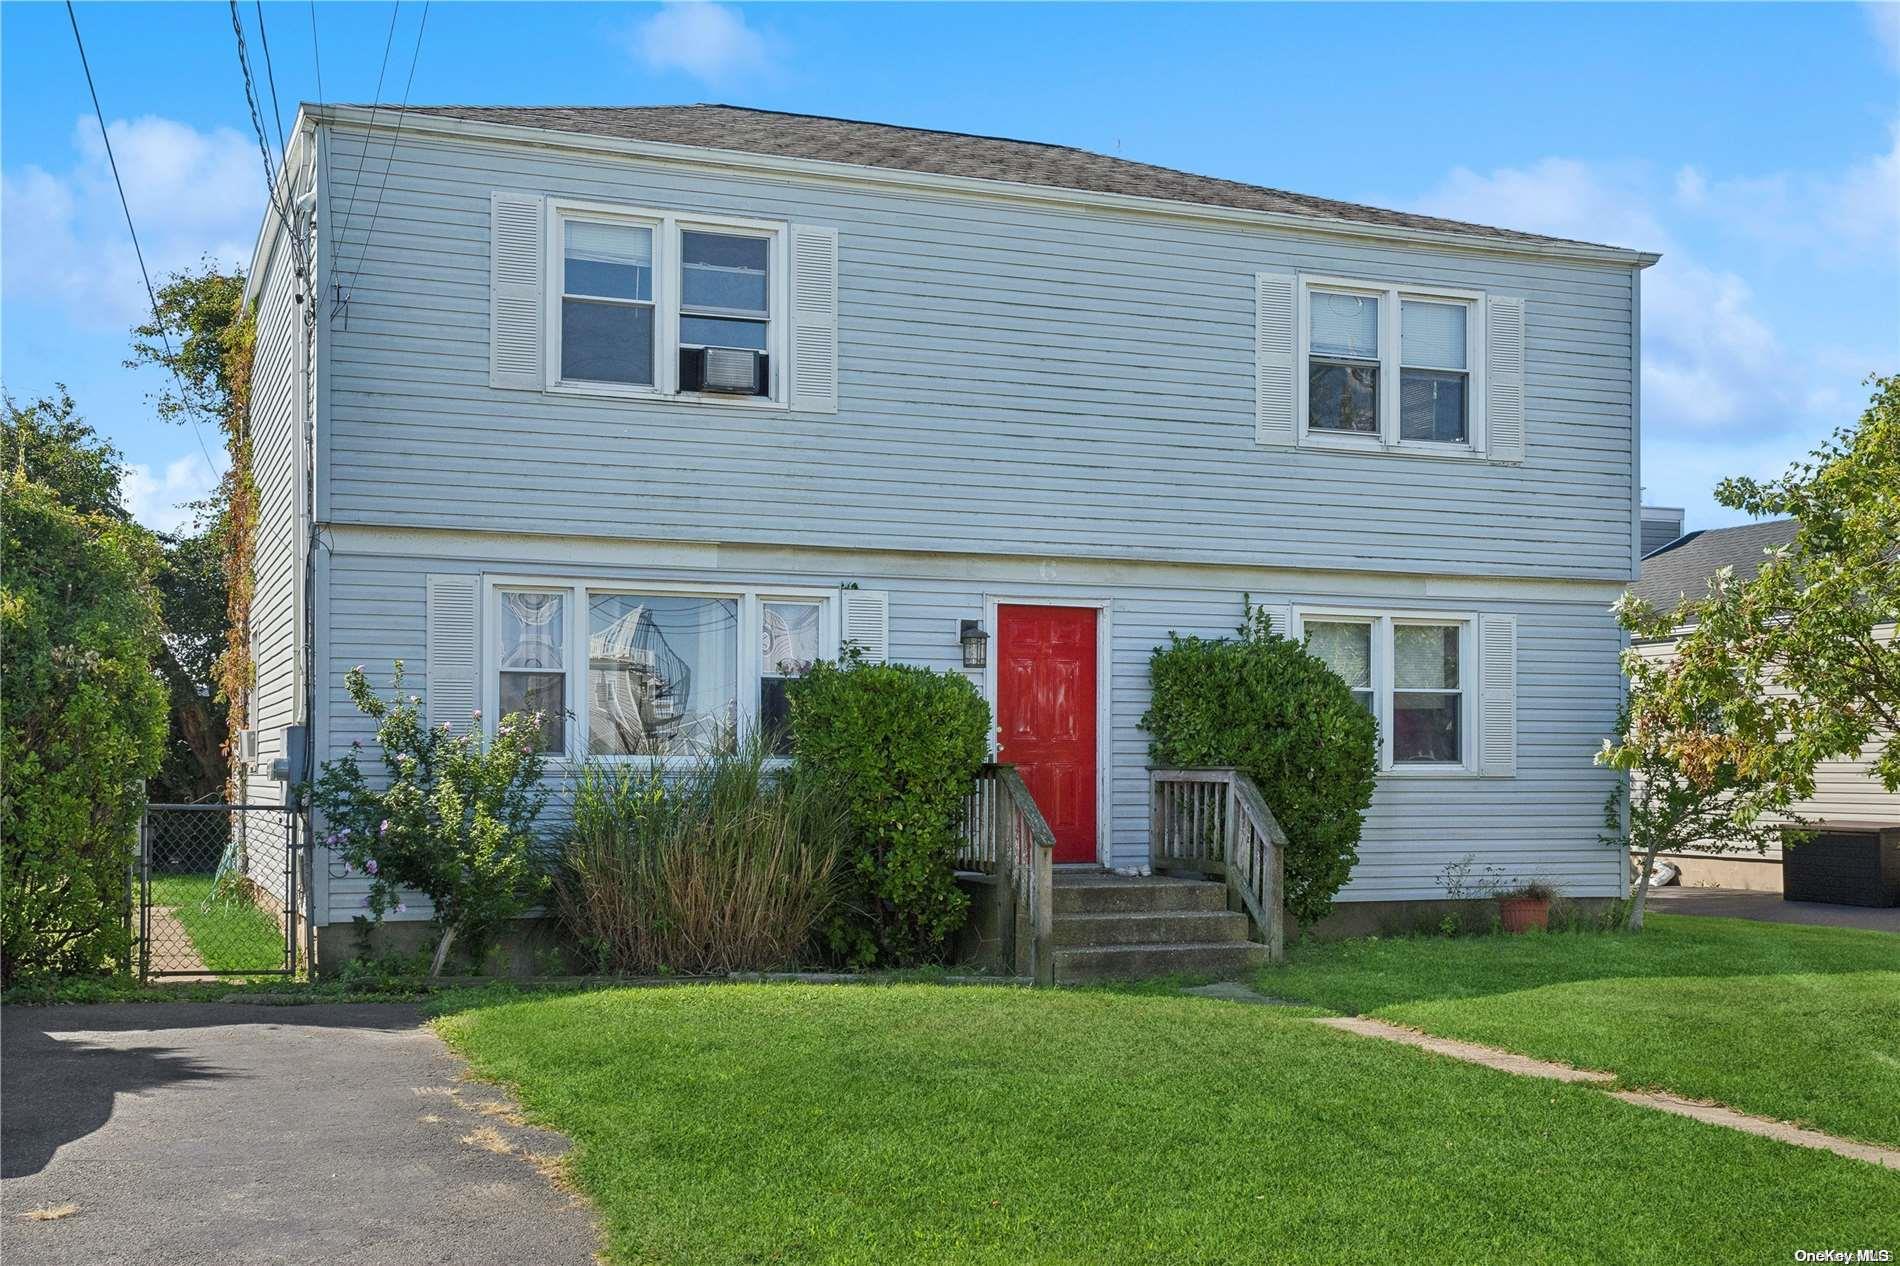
(229, 932)
(1799, 1023)
(753, 1123)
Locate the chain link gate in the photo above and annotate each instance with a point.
(220, 890)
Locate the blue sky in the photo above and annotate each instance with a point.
(1757, 146)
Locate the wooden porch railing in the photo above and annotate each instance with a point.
(1005, 835)
(1215, 822)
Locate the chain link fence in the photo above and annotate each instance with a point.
(219, 890)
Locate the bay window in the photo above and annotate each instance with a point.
(1410, 673)
(652, 671)
(1389, 367)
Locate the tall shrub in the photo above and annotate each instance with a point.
(898, 747)
(1259, 703)
(454, 820)
(710, 865)
(82, 725)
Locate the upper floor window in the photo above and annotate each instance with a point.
(653, 303)
(1361, 342)
(607, 308)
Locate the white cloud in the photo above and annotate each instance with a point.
(1833, 216)
(1725, 391)
(192, 194)
(1884, 15)
(1709, 359)
(706, 40)
(159, 501)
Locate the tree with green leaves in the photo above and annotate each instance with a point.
(82, 715)
(194, 334)
(1773, 674)
(48, 443)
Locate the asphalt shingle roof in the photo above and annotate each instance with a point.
(1684, 567)
(940, 153)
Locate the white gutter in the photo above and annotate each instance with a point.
(963, 186)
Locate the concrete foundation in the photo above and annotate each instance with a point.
(524, 948)
(1404, 918)
(1742, 873)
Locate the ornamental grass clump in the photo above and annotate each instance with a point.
(714, 864)
(454, 820)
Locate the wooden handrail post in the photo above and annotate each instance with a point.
(1154, 821)
(1045, 917)
(1003, 842)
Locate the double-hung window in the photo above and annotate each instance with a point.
(653, 671)
(607, 305)
(1389, 367)
(655, 303)
(531, 660)
(790, 635)
(1410, 673)
(1342, 368)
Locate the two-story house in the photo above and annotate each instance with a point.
(628, 414)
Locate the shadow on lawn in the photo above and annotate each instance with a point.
(1363, 975)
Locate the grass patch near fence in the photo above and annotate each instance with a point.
(226, 927)
(909, 1123)
(1797, 1023)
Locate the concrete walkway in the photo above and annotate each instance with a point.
(1526, 1066)
(1768, 907)
(222, 1133)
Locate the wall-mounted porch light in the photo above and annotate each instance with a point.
(975, 644)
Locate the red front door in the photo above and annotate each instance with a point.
(1045, 715)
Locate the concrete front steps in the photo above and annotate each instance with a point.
(1116, 927)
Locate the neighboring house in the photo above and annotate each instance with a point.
(628, 414)
(1661, 526)
(1855, 855)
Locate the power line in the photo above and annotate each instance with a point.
(390, 157)
(343, 224)
(270, 77)
(263, 142)
(151, 295)
(316, 50)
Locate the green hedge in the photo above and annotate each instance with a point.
(1259, 703)
(82, 726)
(898, 746)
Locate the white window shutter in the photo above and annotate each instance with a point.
(515, 254)
(1497, 695)
(814, 272)
(1504, 379)
(866, 624)
(1279, 617)
(453, 679)
(1276, 316)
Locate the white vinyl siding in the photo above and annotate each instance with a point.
(1008, 378)
(1543, 823)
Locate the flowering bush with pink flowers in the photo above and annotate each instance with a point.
(454, 820)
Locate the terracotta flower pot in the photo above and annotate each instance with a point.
(1521, 914)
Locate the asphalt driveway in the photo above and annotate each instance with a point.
(244, 1133)
(1769, 907)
